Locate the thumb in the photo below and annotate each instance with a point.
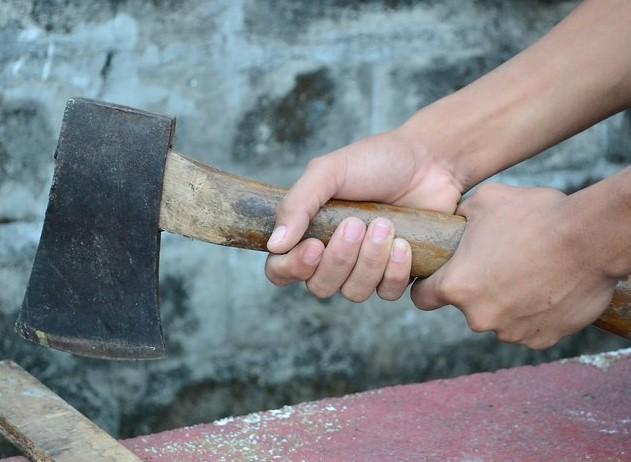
(429, 294)
(319, 183)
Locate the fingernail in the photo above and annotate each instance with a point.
(399, 250)
(311, 256)
(277, 236)
(380, 231)
(353, 230)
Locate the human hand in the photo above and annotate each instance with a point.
(386, 168)
(522, 269)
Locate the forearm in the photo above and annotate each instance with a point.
(598, 220)
(573, 77)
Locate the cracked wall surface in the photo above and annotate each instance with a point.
(259, 88)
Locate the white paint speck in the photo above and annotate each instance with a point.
(283, 413)
(29, 34)
(252, 419)
(224, 421)
(16, 66)
(603, 360)
(48, 64)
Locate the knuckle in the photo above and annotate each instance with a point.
(372, 258)
(283, 266)
(509, 336)
(284, 208)
(419, 299)
(389, 293)
(297, 273)
(272, 278)
(480, 323)
(449, 287)
(277, 280)
(418, 296)
(271, 272)
(395, 280)
(477, 326)
(318, 289)
(444, 287)
(354, 295)
(459, 289)
(343, 259)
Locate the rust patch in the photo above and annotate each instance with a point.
(247, 239)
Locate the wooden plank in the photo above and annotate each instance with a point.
(46, 428)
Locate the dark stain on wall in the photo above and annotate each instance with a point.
(4, 159)
(27, 142)
(175, 311)
(442, 78)
(206, 400)
(276, 130)
(61, 16)
(290, 18)
(297, 113)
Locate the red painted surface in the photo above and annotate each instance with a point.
(571, 411)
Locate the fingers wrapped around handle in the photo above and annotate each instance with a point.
(206, 204)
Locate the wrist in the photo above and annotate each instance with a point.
(598, 222)
(461, 135)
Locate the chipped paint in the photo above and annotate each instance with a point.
(602, 423)
(603, 360)
(255, 437)
(224, 421)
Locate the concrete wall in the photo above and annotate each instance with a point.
(259, 87)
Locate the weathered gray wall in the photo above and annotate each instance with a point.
(258, 87)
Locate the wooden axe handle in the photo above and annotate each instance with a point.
(213, 206)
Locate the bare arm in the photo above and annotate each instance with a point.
(575, 76)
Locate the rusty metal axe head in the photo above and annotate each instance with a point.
(100, 244)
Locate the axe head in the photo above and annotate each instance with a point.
(93, 290)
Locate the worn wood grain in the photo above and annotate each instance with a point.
(207, 204)
(46, 428)
(213, 206)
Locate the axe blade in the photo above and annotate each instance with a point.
(93, 290)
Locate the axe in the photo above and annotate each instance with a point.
(93, 290)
